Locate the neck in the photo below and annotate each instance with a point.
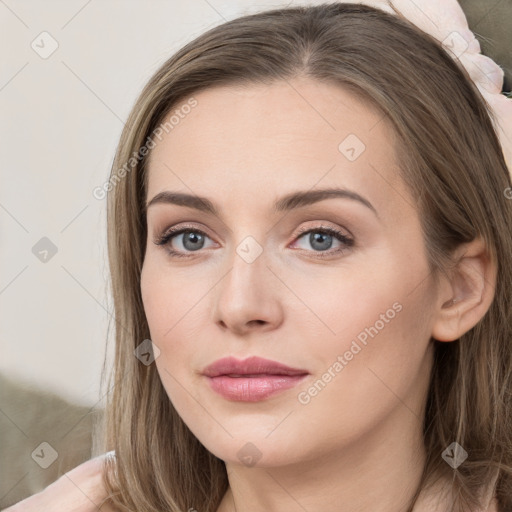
(379, 471)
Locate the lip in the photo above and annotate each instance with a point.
(251, 379)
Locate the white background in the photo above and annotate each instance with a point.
(61, 118)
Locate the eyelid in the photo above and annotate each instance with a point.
(323, 225)
(175, 230)
(347, 240)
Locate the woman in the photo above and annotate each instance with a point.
(323, 188)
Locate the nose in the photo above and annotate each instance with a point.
(248, 297)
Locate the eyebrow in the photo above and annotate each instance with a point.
(288, 202)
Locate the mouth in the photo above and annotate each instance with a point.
(252, 388)
(247, 375)
(250, 367)
(252, 379)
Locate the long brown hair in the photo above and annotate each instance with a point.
(453, 164)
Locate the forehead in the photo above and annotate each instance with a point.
(255, 143)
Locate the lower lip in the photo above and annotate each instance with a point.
(252, 389)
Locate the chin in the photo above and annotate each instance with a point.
(252, 448)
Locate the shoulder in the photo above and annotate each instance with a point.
(80, 490)
(88, 477)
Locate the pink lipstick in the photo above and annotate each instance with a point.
(252, 379)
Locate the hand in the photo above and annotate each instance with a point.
(78, 490)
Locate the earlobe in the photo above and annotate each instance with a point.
(468, 293)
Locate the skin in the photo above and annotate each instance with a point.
(78, 490)
(358, 441)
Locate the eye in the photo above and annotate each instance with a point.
(192, 240)
(321, 239)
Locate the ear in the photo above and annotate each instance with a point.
(467, 294)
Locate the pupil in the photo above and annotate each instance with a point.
(314, 238)
(192, 238)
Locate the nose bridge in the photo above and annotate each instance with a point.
(247, 292)
(249, 270)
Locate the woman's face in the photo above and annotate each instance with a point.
(355, 315)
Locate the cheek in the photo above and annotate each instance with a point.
(172, 302)
(380, 309)
(162, 306)
(378, 332)
(173, 309)
(376, 361)
(357, 302)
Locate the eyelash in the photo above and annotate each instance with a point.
(165, 238)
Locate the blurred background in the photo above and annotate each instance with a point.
(70, 72)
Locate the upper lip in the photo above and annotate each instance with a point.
(250, 366)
